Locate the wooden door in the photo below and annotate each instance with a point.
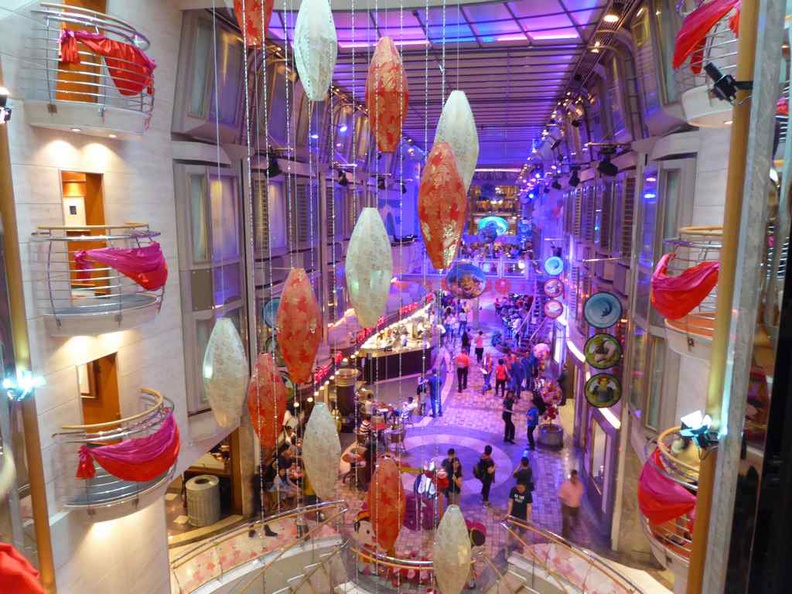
(100, 402)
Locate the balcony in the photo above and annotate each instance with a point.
(80, 298)
(106, 496)
(699, 104)
(107, 87)
(691, 335)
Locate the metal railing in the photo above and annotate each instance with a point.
(210, 552)
(90, 81)
(104, 489)
(63, 290)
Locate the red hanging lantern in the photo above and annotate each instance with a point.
(387, 503)
(266, 401)
(386, 95)
(299, 324)
(249, 17)
(502, 285)
(442, 206)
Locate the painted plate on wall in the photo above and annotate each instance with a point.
(271, 346)
(602, 310)
(602, 351)
(554, 266)
(501, 225)
(603, 390)
(466, 281)
(553, 309)
(269, 311)
(553, 288)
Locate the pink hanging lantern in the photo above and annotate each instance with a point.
(442, 206)
(299, 324)
(249, 17)
(266, 400)
(387, 503)
(386, 95)
(502, 285)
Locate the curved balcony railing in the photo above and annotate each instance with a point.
(117, 88)
(79, 302)
(692, 334)
(701, 107)
(105, 491)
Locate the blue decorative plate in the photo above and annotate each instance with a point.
(602, 310)
(554, 266)
(269, 311)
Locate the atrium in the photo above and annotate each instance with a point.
(414, 296)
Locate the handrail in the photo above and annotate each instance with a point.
(582, 553)
(78, 227)
(668, 454)
(392, 562)
(157, 406)
(94, 19)
(309, 574)
(188, 556)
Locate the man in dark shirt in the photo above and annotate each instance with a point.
(448, 463)
(524, 473)
(508, 427)
(486, 472)
(520, 501)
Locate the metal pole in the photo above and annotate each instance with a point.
(726, 280)
(16, 298)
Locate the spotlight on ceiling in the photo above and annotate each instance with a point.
(273, 168)
(574, 179)
(605, 167)
(404, 189)
(547, 189)
(556, 185)
(381, 183)
(614, 13)
(342, 179)
(696, 426)
(724, 86)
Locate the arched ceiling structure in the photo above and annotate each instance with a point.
(515, 60)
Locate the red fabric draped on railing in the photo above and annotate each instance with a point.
(140, 459)
(692, 36)
(145, 265)
(131, 69)
(676, 296)
(17, 575)
(661, 499)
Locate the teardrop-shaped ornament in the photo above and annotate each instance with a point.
(299, 324)
(315, 47)
(457, 127)
(321, 451)
(225, 373)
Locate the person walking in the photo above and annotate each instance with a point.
(506, 415)
(420, 391)
(485, 472)
(520, 506)
(441, 333)
(454, 490)
(463, 319)
(571, 495)
(532, 420)
(515, 374)
(478, 343)
(451, 330)
(434, 393)
(501, 375)
(465, 338)
(462, 367)
(486, 369)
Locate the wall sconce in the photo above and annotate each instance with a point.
(5, 112)
(23, 385)
(696, 426)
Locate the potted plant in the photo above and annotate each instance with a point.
(551, 434)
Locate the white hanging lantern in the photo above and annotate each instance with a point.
(225, 373)
(315, 47)
(457, 127)
(321, 451)
(452, 554)
(369, 267)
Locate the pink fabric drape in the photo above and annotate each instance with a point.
(145, 265)
(130, 68)
(661, 499)
(676, 296)
(140, 459)
(692, 36)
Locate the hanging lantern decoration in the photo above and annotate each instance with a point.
(387, 503)
(299, 324)
(386, 95)
(452, 555)
(369, 267)
(266, 401)
(442, 206)
(315, 47)
(321, 451)
(225, 373)
(249, 18)
(457, 127)
(502, 285)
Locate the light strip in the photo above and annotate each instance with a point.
(611, 418)
(358, 44)
(575, 351)
(551, 36)
(499, 170)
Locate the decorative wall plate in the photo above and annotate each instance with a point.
(603, 390)
(501, 224)
(554, 266)
(269, 311)
(465, 281)
(553, 288)
(602, 310)
(602, 351)
(553, 309)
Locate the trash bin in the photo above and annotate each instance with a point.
(203, 500)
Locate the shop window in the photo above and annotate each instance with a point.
(638, 368)
(98, 384)
(599, 442)
(654, 392)
(198, 223)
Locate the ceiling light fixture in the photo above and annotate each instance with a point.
(112, 135)
(5, 112)
(574, 179)
(76, 130)
(605, 167)
(614, 13)
(273, 167)
(342, 179)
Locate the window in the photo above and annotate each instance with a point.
(648, 220)
(202, 43)
(654, 389)
(599, 441)
(638, 368)
(198, 224)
